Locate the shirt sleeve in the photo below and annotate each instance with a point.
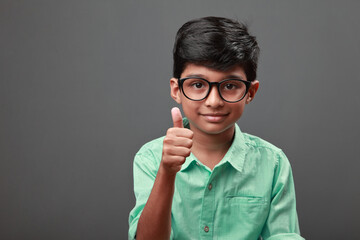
(145, 168)
(282, 222)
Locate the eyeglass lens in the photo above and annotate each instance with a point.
(230, 90)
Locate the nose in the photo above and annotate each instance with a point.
(213, 99)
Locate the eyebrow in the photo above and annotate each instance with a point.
(195, 75)
(231, 76)
(235, 76)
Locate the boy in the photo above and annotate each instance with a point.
(206, 179)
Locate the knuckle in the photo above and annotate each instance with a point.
(170, 131)
(182, 160)
(190, 143)
(179, 160)
(167, 140)
(165, 148)
(190, 133)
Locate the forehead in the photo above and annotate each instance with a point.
(213, 74)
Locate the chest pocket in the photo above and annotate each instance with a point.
(246, 214)
(252, 208)
(246, 199)
(249, 200)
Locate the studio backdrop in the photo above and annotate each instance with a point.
(84, 84)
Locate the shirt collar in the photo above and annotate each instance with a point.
(191, 158)
(235, 155)
(237, 151)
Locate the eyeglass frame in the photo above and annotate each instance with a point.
(217, 84)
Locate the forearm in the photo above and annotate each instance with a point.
(155, 220)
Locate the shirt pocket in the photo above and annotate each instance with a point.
(247, 211)
(247, 200)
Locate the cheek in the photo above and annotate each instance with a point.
(239, 109)
(189, 107)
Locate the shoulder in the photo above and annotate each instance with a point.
(257, 144)
(148, 158)
(151, 149)
(152, 146)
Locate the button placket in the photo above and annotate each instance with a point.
(208, 208)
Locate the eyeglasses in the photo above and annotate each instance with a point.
(230, 90)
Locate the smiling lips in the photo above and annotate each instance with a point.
(215, 117)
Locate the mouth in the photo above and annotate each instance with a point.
(215, 117)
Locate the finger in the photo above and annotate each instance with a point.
(176, 160)
(178, 141)
(179, 151)
(183, 142)
(180, 132)
(176, 117)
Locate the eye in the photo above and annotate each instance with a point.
(197, 84)
(230, 86)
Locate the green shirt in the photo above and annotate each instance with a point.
(248, 195)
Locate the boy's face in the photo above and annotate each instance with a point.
(212, 115)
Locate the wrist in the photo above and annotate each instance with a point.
(166, 173)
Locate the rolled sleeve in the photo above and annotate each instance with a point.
(145, 169)
(286, 236)
(282, 222)
(133, 227)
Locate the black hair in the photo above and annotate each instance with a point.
(217, 43)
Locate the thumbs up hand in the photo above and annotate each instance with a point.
(177, 144)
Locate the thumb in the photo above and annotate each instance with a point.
(176, 117)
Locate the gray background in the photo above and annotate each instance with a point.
(83, 84)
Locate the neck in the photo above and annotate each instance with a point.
(211, 148)
(214, 142)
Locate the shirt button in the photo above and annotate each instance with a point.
(210, 186)
(197, 163)
(206, 228)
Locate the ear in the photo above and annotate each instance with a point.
(175, 90)
(252, 91)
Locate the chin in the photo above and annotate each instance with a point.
(214, 129)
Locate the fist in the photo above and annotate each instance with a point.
(177, 144)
